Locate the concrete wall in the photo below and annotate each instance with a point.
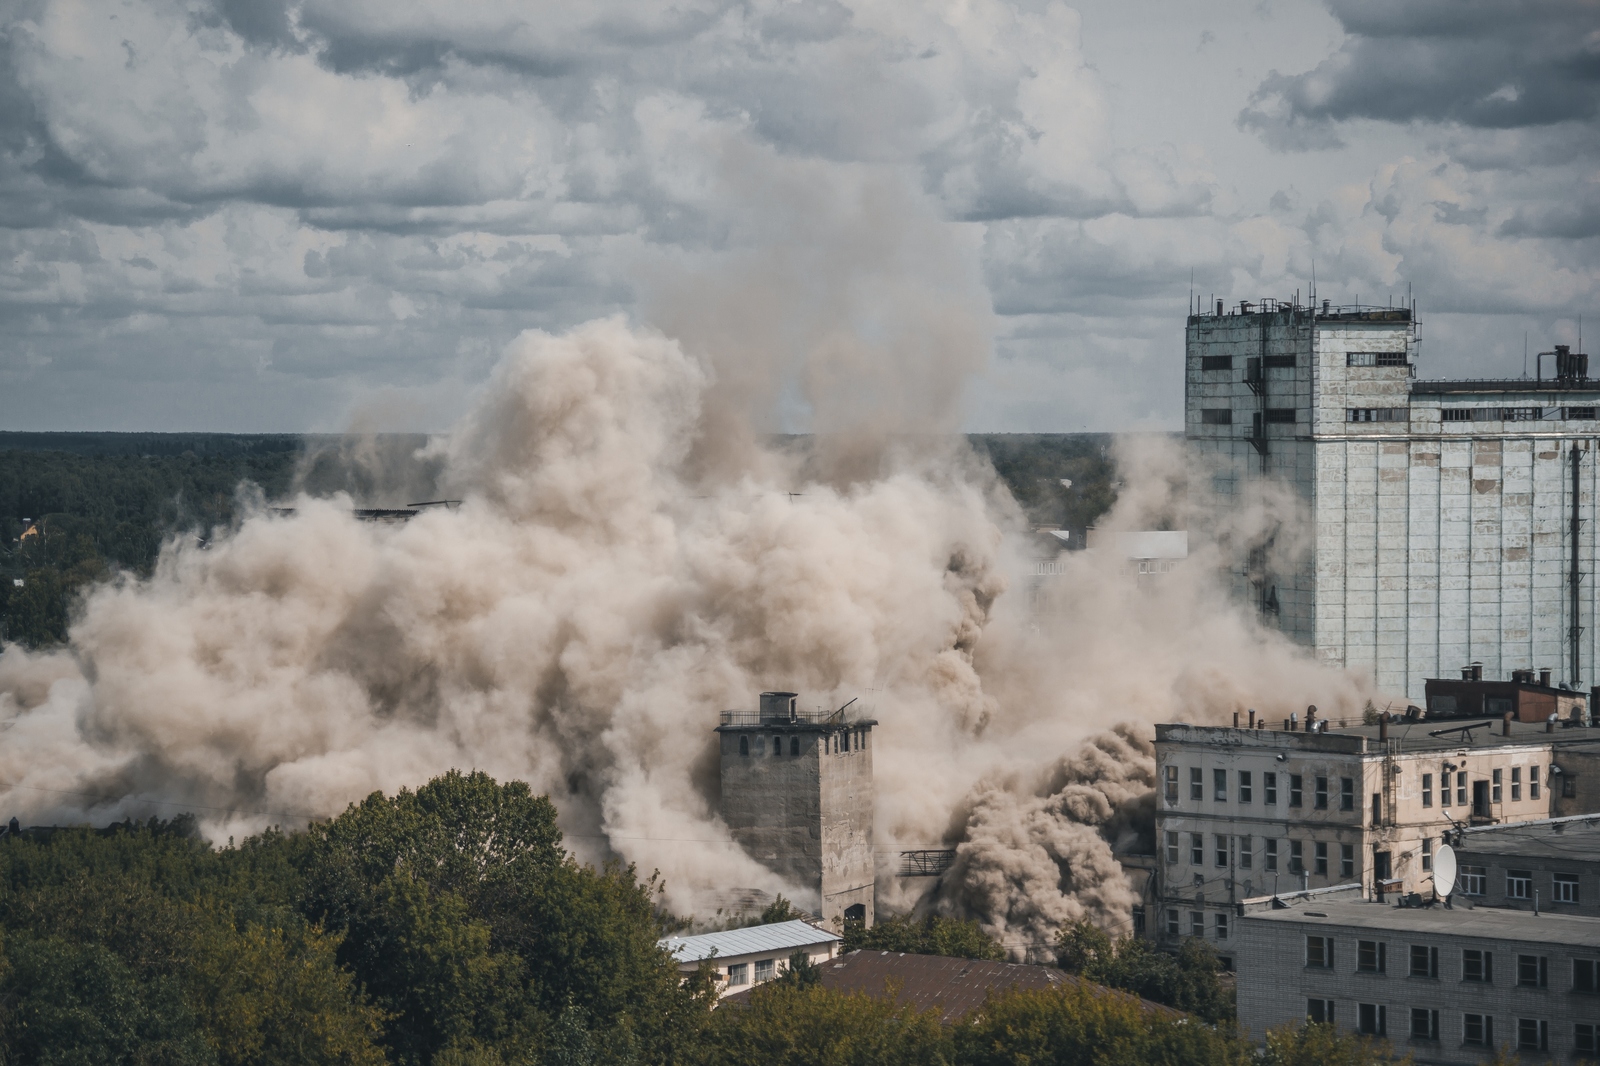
(1274, 987)
(848, 802)
(773, 802)
(1434, 543)
(807, 817)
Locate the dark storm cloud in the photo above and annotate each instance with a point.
(1481, 63)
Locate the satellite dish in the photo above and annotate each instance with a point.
(1444, 870)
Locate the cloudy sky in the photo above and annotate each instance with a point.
(307, 214)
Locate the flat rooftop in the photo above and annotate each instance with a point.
(1576, 837)
(1487, 922)
(1484, 735)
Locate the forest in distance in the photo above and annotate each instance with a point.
(76, 508)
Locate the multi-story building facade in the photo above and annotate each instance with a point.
(1447, 985)
(1450, 521)
(1245, 812)
(1551, 866)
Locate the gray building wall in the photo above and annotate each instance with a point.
(1275, 982)
(1433, 543)
(807, 817)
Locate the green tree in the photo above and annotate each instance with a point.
(1188, 980)
(786, 1025)
(70, 1003)
(1322, 1045)
(779, 910)
(466, 920)
(1078, 1024)
(275, 997)
(802, 972)
(932, 935)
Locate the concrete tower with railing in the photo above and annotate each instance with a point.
(797, 792)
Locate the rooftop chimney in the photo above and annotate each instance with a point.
(1252, 718)
(1236, 719)
(1311, 718)
(1544, 678)
(1219, 308)
(1477, 671)
(1327, 307)
(1505, 725)
(1383, 727)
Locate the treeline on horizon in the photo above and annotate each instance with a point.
(100, 503)
(449, 927)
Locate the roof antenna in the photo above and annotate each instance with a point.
(1191, 290)
(1525, 355)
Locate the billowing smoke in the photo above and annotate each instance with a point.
(631, 556)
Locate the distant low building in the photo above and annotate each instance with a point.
(1446, 985)
(1527, 697)
(751, 956)
(1552, 866)
(1143, 552)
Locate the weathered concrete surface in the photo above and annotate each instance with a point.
(1434, 542)
(807, 816)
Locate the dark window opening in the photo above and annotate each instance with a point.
(1216, 416)
(744, 745)
(1281, 415)
(1216, 362)
(1533, 971)
(1424, 961)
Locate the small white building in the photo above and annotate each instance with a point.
(751, 956)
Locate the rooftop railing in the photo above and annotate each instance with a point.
(755, 718)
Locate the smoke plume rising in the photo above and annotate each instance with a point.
(632, 555)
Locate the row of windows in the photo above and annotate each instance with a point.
(1197, 923)
(1241, 850)
(1375, 359)
(1496, 786)
(739, 972)
(1474, 881)
(1532, 971)
(1223, 416)
(1245, 781)
(832, 744)
(1377, 414)
(1514, 414)
(1271, 362)
(1477, 1030)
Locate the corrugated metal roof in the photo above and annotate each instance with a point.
(757, 938)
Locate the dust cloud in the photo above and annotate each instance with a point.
(634, 552)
